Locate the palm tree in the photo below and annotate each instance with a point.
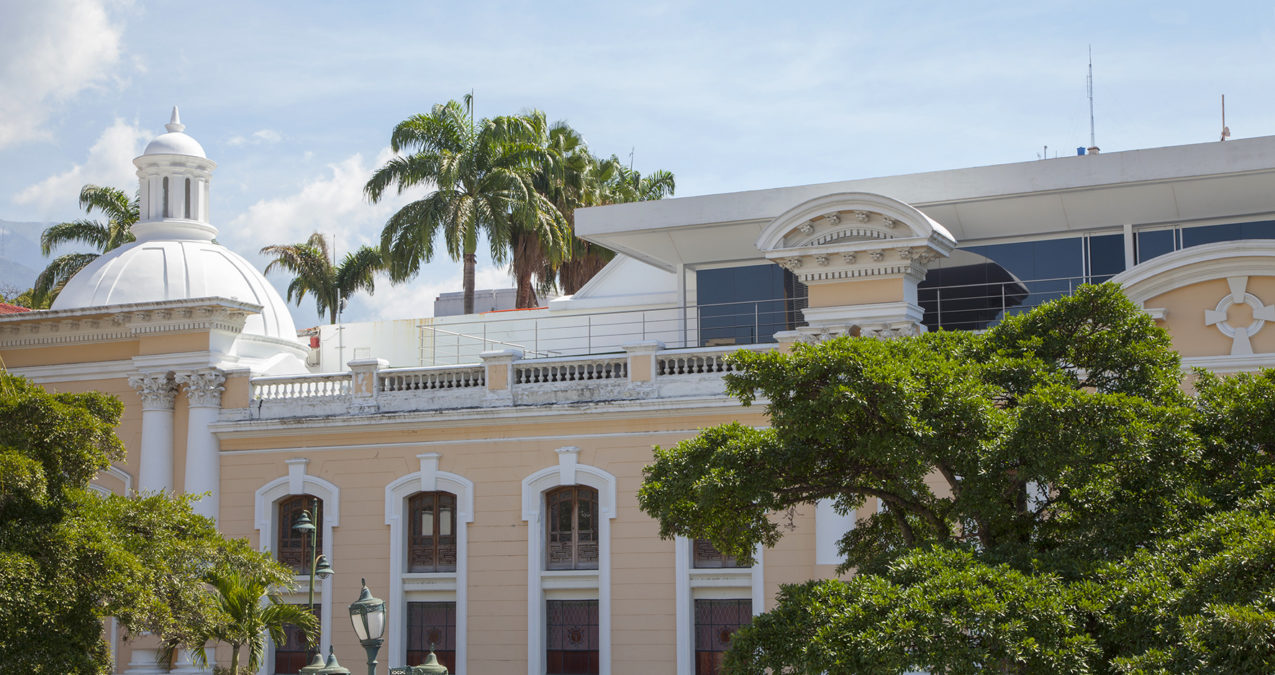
(314, 272)
(480, 172)
(245, 620)
(121, 213)
(601, 182)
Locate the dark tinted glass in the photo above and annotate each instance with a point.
(747, 305)
(1154, 243)
(1195, 236)
(1106, 257)
(1017, 277)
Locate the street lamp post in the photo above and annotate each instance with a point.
(368, 616)
(319, 567)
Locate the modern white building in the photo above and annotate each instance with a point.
(481, 471)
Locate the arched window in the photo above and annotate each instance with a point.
(707, 556)
(165, 196)
(571, 542)
(188, 199)
(294, 549)
(431, 533)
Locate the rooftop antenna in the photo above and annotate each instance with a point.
(1089, 85)
(1226, 131)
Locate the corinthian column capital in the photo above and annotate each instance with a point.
(156, 389)
(203, 387)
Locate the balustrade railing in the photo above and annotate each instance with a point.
(439, 377)
(332, 385)
(571, 370)
(699, 361)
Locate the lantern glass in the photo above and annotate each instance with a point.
(376, 623)
(360, 625)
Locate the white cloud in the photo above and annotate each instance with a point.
(259, 137)
(415, 299)
(109, 163)
(332, 204)
(49, 52)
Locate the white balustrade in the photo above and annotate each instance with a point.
(442, 377)
(574, 369)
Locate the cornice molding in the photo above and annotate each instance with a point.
(593, 412)
(46, 328)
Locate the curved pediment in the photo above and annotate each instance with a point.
(854, 235)
(1213, 299)
(848, 217)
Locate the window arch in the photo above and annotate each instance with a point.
(291, 547)
(590, 585)
(571, 535)
(431, 532)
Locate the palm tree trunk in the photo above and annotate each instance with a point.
(234, 659)
(471, 259)
(528, 257)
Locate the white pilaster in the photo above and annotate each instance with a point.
(203, 463)
(157, 390)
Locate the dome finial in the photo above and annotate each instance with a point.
(175, 125)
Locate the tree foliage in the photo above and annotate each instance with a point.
(121, 213)
(514, 179)
(70, 557)
(1047, 489)
(315, 272)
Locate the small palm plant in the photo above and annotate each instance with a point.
(314, 272)
(121, 213)
(247, 613)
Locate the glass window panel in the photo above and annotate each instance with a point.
(1153, 243)
(294, 653)
(431, 625)
(291, 547)
(748, 304)
(706, 556)
(1106, 257)
(431, 543)
(715, 622)
(571, 537)
(1208, 234)
(571, 637)
(446, 515)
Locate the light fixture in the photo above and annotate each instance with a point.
(368, 616)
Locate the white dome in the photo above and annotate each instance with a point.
(175, 143)
(150, 271)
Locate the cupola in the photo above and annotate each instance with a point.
(175, 175)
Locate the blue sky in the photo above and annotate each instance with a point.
(295, 100)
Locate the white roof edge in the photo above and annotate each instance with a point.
(46, 314)
(952, 185)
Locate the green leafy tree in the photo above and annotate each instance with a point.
(480, 175)
(244, 621)
(70, 557)
(14, 296)
(121, 213)
(1039, 485)
(314, 272)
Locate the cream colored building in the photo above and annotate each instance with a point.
(481, 472)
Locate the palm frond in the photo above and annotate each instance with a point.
(57, 273)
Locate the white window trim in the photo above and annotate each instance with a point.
(709, 583)
(298, 482)
(428, 479)
(567, 472)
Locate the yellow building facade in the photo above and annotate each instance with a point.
(481, 472)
